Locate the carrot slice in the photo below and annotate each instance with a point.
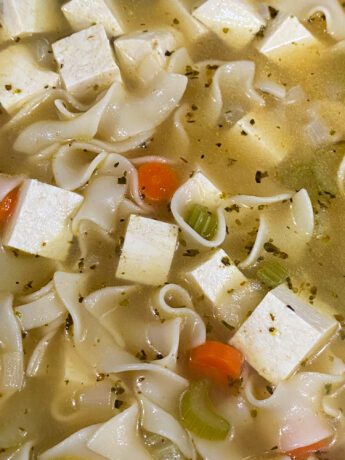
(217, 361)
(157, 182)
(302, 453)
(8, 204)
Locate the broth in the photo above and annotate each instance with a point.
(49, 409)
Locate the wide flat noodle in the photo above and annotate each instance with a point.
(11, 352)
(261, 238)
(128, 115)
(45, 308)
(34, 366)
(74, 446)
(104, 302)
(156, 420)
(43, 133)
(118, 439)
(289, 232)
(193, 331)
(294, 404)
(232, 86)
(93, 343)
(252, 200)
(302, 212)
(74, 163)
(102, 200)
(30, 107)
(164, 338)
(118, 311)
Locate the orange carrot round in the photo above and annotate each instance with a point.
(302, 453)
(217, 361)
(157, 182)
(8, 204)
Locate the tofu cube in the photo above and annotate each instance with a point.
(281, 333)
(142, 55)
(85, 60)
(286, 39)
(216, 277)
(21, 78)
(20, 18)
(82, 14)
(201, 190)
(147, 251)
(176, 13)
(41, 221)
(235, 21)
(262, 132)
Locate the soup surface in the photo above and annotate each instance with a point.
(172, 215)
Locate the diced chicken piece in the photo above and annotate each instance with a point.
(281, 333)
(21, 78)
(147, 251)
(40, 224)
(25, 17)
(143, 55)
(216, 277)
(82, 14)
(234, 21)
(286, 39)
(85, 60)
(262, 132)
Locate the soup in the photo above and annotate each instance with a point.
(172, 204)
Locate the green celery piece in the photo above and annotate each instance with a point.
(198, 416)
(272, 273)
(202, 221)
(210, 227)
(194, 214)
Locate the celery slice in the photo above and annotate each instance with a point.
(202, 221)
(198, 416)
(272, 273)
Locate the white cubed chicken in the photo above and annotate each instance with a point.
(142, 55)
(281, 333)
(235, 21)
(85, 13)
(262, 132)
(40, 223)
(147, 251)
(85, 60)
(287, 38)
(216, 277)
(21, 78)
(25, 17)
